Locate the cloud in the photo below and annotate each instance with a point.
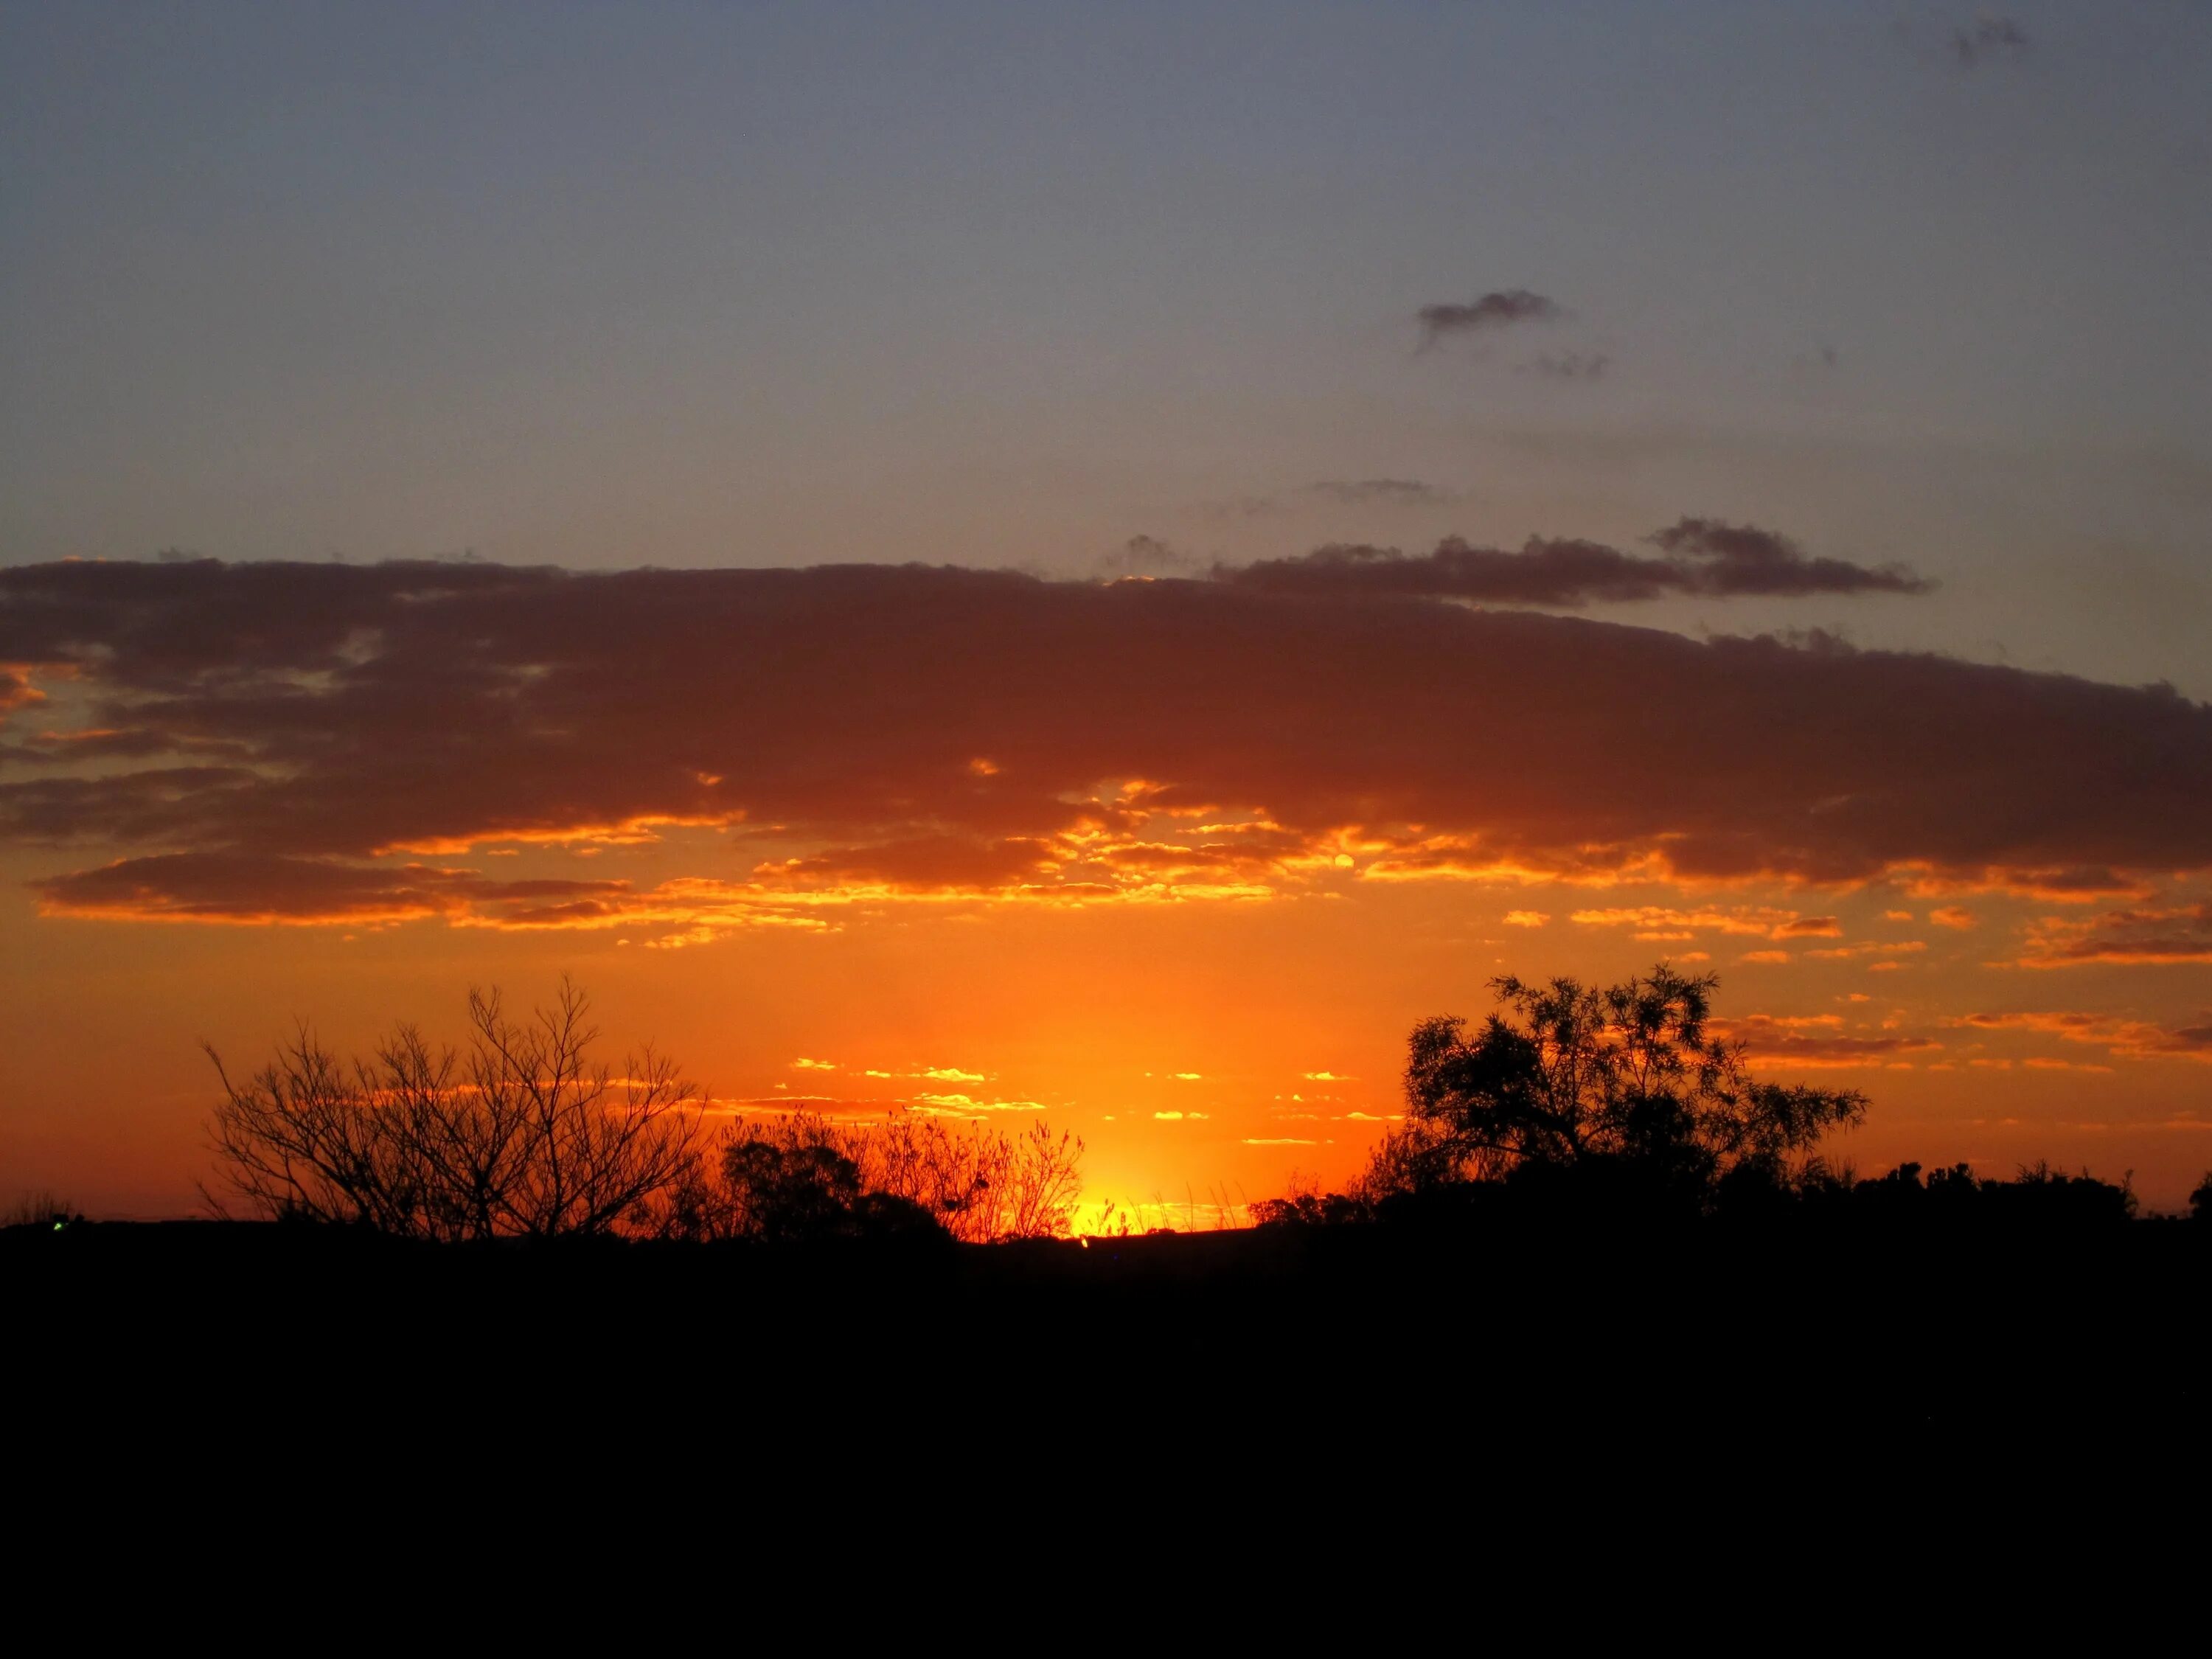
(244, 888)
(1868, 947)
(1955, 916)
(1526, 919)
(16, 690)
(2181, 934)
(1742, 559)
(2076, 885)
(259, 889)
(1700, 557)
(1989, 38)
(807, 739)
(922, 862)
(1809, 928)
(922, 1105)
(961, 1105)
(1503, 308)
(1655, 921)
(2131, 1039)
(1787, 1042)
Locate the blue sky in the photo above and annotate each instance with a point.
(696, 284)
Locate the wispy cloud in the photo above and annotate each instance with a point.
(1501, 308)
(2127, 1038)
(1701, 557)
(2151, 934)
(1817, 1045)
(1658, 921)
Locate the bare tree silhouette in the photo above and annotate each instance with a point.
(522, 1135)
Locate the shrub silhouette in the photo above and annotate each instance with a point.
(41, 1209)
(803, 1194)
(804, 1176)
(2038, 1198)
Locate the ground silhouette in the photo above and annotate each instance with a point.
(1656, 1242)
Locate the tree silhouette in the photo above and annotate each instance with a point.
(1566, 1076)
(521, 1135)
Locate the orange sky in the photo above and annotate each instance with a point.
(1171, 864)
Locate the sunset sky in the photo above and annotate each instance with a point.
(1096, 562)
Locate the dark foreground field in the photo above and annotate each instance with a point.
(1516, 1331)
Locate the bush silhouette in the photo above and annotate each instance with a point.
(804, 1176)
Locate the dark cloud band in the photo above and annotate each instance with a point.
(939, 728)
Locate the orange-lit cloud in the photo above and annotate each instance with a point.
(1817, 1043)
(2132, 1039)
(2180, 934)
(289, 723)
(1665, 922)
(242, 888)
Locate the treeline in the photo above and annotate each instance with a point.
(2037, 1197)
(1603, 1105)
(522, 1134)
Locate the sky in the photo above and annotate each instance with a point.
(1093, 564)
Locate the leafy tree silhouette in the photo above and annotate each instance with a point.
(1623, 1080)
